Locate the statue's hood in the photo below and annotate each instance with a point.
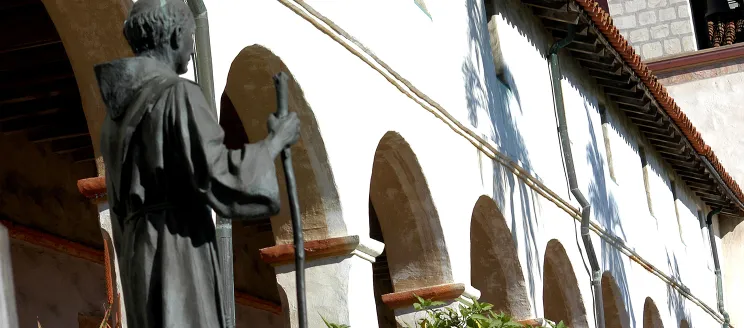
(120, 81)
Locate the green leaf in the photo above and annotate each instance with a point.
(436, 303)
(333, 325)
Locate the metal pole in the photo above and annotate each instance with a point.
(280, 82)
(225, 247)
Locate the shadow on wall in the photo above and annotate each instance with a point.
(676, 302)
(500, 99)
(606, 212)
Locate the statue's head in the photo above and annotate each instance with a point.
(163, 29)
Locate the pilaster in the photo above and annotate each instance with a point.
(338, 280)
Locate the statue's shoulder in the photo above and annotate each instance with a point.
(188, 85)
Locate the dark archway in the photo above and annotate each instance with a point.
(494, 265)
(382, 281)
(561, 295)
(49, 124)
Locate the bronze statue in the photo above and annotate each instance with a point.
(167, 168)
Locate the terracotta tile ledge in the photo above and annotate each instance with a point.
(257, 303)
(93, 188)
(443, 293)
(365, 248)
(535, 322)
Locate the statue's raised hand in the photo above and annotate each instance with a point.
(283, 131)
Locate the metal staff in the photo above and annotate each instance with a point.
(280, 82)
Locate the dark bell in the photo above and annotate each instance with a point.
(717, 7)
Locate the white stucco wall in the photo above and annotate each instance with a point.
(446, 58)
(713, 104)
(711, 97)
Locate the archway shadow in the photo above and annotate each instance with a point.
(676, 303)
(499, 99)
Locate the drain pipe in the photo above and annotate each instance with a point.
(205, 78)
(717, 265)
(555, 71)
(203, 53)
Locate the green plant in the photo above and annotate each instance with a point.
(333, 325)
(476, 315)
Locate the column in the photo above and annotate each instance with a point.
(95, 190)
(338, 280)
(8, 314)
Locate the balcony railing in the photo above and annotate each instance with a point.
(726, 30)
(714, 56)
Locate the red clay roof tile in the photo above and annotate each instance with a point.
(603, 22)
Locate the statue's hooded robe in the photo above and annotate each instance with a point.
(166, 169)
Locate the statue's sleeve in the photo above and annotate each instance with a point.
(238, 183)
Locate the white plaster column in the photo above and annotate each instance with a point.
(8, 314)
(338, 280)
(104, 218)
(95, 190)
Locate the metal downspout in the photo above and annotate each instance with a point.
(203, 53)
(717, 265)
(205, 78)
(571, 171)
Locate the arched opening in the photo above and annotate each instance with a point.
(254, 280)
(50, 114)
(250, 89)
(382, 282)
(401, 204)
(246, 103)
(684, 324)
(561, 295)
(495, 268)
(651, 317)
(91, 31)
(614, 310)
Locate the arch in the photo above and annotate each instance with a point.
(684, 324)
(250, 89)
(494, 265)
(616, 316)
(400, 197)
(562, 299)
(651, 317)
(90, 31)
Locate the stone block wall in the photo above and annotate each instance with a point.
(655, 28)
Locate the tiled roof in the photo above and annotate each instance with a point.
(604, 23)
(603, 52)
